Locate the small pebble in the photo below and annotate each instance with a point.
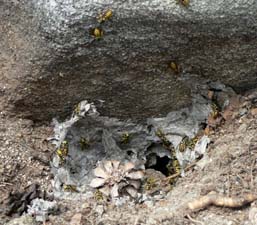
(76, 219)
(254, 112)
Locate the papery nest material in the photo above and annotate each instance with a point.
(114, 179)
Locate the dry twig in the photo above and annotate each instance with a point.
(215, 199)
(136, 220)
(2, 184)
(251, 175)
(194, 220)
(41, 160)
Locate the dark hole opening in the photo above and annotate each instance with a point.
(161, 165)
(130, 153)
(203, 125)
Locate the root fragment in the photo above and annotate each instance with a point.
(194, 220)
(217, 200)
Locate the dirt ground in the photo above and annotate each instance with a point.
(229, 168)
(24, 156)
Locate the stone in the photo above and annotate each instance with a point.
(76, 219)
(23, 220)
(49, 60)
(253, 215)
(254, 112)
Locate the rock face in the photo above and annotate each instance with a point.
(49, 61)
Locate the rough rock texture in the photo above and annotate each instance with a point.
(48, 61)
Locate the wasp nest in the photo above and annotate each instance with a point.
(114, 179)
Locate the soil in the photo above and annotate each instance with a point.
(229, 169)
(25, 156)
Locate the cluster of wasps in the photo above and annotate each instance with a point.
(186, 142)
(63, 150)
(97, 32)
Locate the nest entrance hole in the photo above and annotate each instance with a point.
(161, 165)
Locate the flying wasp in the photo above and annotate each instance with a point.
(63, 151)
(105, 16)
(174, 66)
(96, 32)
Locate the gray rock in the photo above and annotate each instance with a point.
(23, 220)
(49, 60)
(41, 208)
